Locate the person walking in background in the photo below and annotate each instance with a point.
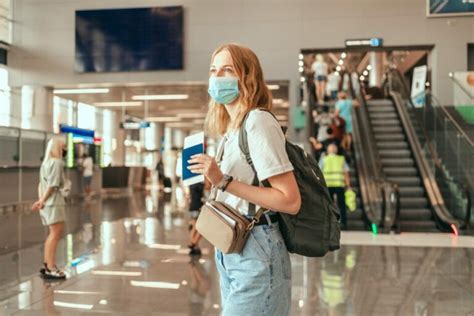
(344, 109)
(160, 172)
(256, 281)
(320, 70)
(87, 173)
(323, 120)
(51, 204)
(334, 80)
(336, 173)
(196, 202)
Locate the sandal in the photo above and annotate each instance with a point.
(54, 274)
(43, 269)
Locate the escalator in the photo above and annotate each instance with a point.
(399, 166)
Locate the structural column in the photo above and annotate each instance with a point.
(376, 73)
(37, 108)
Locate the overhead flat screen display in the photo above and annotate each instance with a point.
(440, 8)
(138, 39)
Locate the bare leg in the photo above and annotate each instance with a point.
(322, 90)
(349, 141)
(51, 244)
(194, 235)
(318, 91)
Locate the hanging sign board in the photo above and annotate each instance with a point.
(418, 86)
(364, 42)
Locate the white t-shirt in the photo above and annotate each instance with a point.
(267, 150)
(88, 165)
(319, 68)
(333, 82)
(355, 82)
(346, 82)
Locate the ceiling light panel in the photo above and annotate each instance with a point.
(81, 91)
(113, 104)
(161, 97)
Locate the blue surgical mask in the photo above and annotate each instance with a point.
(223, 90)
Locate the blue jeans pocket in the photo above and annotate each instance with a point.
(258, 248)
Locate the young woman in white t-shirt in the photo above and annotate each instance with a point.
(258, 280)
(320, 70)
(51, 204)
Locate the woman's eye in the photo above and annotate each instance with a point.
(228, 70)
(212, 70)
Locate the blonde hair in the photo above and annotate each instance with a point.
(54, 149)
(254, 92)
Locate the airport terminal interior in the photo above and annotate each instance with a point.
(378, 93)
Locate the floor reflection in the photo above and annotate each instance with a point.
(127, 253)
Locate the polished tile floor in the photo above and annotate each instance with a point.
(126, 255)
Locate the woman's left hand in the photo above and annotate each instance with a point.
(206, 165)
(38, 205)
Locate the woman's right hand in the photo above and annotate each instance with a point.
(38, 205)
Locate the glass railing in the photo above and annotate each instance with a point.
(446, 148)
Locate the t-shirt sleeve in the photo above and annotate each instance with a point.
(266, 145)
(54, 178)
(346, 167)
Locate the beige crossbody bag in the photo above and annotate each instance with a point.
(222, 225)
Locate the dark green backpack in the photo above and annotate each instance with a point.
(315, 230)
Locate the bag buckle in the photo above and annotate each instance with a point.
(252, 224)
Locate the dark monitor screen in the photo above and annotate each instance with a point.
(137, 39)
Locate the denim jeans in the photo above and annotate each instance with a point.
(258, 280)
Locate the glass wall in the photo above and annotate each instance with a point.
(86, 116)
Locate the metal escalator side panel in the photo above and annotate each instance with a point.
(371, 199)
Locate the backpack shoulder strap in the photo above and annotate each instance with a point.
(244, 146)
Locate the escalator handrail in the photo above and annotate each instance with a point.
(373, 178)
(367, 184)
(429, 182)
(464, 187)
(456, 81)
(380, 181)
(406, 91)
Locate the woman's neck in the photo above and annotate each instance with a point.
(233, 111)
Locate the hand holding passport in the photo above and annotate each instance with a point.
(193, 145)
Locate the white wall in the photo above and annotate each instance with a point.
(43, 52)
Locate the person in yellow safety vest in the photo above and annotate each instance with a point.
(336, 173)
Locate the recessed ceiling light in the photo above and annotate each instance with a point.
(163, 119)
(273, 86)
(81, 91)
(161, 97)
(125, 103)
